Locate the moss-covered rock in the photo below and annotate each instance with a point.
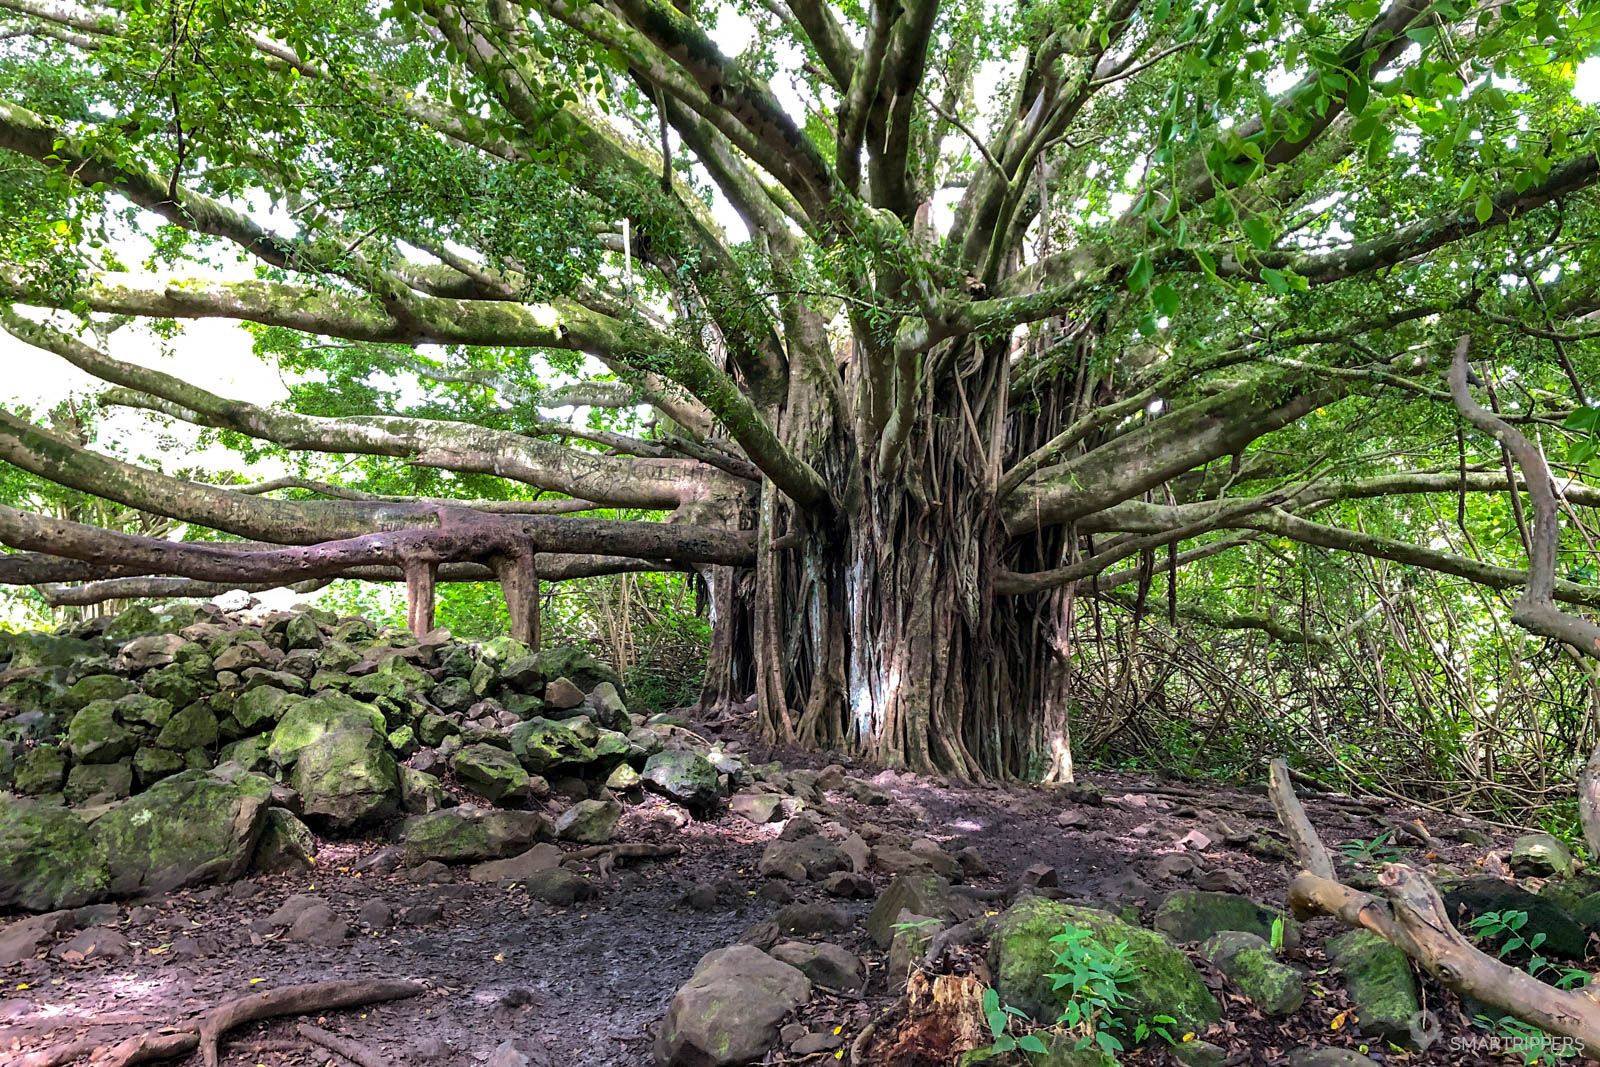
(309, 719)
(1540, 856)
(578, 667)
(1473, 897)
(98, 783)
(95, 736)
(467, 835)
(492, 773)
(543, 745)
(51, 650)
(1195, 915)
(1161, 979)
(39, 770)
(152, 764)
(172, 684)
(589, 822)
(249, 752)
(686, 777)
(191, 828)
(131, 623)
(95, 687)
(347, 777)
(420, 792)
(193, 727)
(302, 631)
(453, 695)
(48, 858)
(261, 707)
(286, 844)
(1378, 978)
(1249, 964)
(143, 711)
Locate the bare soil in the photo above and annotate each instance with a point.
(586, 986)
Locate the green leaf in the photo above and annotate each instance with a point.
(1031, 1043)
(1164, 299)
(1276, 280)
(1140, 273)
(1484, 209)
(1260, 230)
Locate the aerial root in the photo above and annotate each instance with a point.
(207, 1033)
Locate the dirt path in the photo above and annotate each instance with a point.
(585, 986)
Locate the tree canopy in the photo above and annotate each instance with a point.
(912, 327)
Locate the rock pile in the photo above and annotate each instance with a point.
(155, 750)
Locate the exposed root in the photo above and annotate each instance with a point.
(296, 1000)
(352, 1050)
(1303, 837)
(1416, 921)
(148, 1049)
(58, 1056)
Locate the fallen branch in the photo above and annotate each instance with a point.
(350, 1049)
(1416, 921)
(1302, 835)
(148, 1049)
(296, 1000)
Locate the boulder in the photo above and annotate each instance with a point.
(805, 919)
(605, 705)
(188, 829)
(261, 707)
(562, 695)
(466, 834)
(492, 773)
(149, 652)
(1540, 856)
(1378, 977)
(1161, 980)
(810, 858)
(95, 735)
(347, 778)
(309, 719)
(302, 631)
(286, 844)
(1195, 915)
(825, 964)
(174, 683)
(97, 783)
(541, 857)
(623, 778)
(96, 687)
(39, 770)
(1249, 964)
(922, 893)
(193, 727)
(420, 792)
(577, 666)
(686, 777)
(559, 886)
(318, 925)
(522, 674)
(140, 710)
(544, 745)
(48, 858)
(1564, 936)
(589, 822)
(729, 1011)
(759, 808)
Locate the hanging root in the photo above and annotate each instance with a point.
(172, 1042)
(1415, 920)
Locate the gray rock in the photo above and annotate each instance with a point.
(492, 773)
(286, 844)
(806, 859)
(804, 919)
(759, 808)
(729, 1011)
(922, 893)
(589, 822)
(467, 834)
(559, 886)
(1540, 856)
(686, 777)
(1328, 1057)
(318, 925)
